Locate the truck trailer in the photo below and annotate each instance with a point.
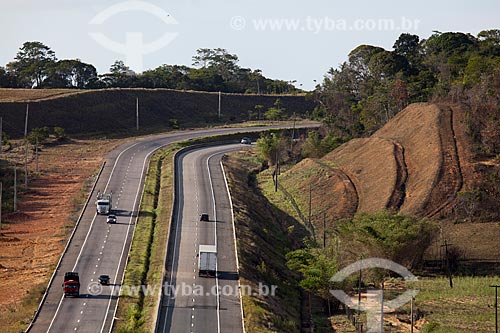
(103, 203)
(71, 284)
(207, 261)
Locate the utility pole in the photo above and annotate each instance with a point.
(1, 134)
(412, 319)
(310, 204)
(137, 114)
(447, 257)
(382, 308)
(26, 120)
(1, 192)
(324, 230)
(26, 147)
(26, 164)
(15, 187)
(293, 131)
(496, 307)
(276, 172)
(359, 287)
(36, 156)
(219, 104)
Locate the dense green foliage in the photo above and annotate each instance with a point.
(36, 66)
(385, 235)
(374, 84)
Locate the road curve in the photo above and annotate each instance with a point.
(97, 248)
(200, 304)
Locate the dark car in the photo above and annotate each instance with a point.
(104, 279)
(246, 141)
(111, 219)
(204, 217)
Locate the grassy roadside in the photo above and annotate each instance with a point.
(468, 307)
(264, 235)
(136, 313)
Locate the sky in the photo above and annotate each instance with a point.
(296, 41)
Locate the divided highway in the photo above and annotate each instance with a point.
(194, 303)
(98, 248)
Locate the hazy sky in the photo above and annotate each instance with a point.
(289, 40)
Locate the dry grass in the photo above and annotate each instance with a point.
(264, 236)
(372, 164)
(95, 112)
(32, 239)
(321, 177)
(26, 95)
(417, 129)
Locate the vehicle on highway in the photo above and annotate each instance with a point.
(71, 284)
(103, 203)
(111, 218)
(104, 279)
(246, 141)
(207, 260)
(204, 217)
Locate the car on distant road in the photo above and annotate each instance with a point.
(204, 217)
(111, 219)
(104, 279)
(246, 141)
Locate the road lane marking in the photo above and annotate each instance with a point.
(134, 205)
(215, 228)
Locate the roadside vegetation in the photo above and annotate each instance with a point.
(147, 253)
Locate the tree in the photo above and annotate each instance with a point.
(269, 148)
(275, 112)
(71, 74)
(316, 146)
(399, 94)
(38, 135)
(317, 268)
(8, 79)
(120, 76)
(59, 133)
(32, 63)
(222, 61)
(407, 45)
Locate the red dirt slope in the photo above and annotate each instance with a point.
(415, 164)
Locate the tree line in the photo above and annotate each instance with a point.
(36, 66)
(374, 84)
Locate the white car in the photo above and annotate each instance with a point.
(111, 219)
(246, 141)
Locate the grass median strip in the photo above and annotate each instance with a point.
(136, 309)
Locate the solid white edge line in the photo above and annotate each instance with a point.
(235, 244)
(176, 236)
(88, 232)
(142, 180)
(217, 257)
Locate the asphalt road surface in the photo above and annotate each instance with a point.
(194, 303)
(98, 248)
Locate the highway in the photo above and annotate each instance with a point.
(202, 189)
(98, 248)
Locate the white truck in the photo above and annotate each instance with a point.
(207, 260)
(103, 203)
